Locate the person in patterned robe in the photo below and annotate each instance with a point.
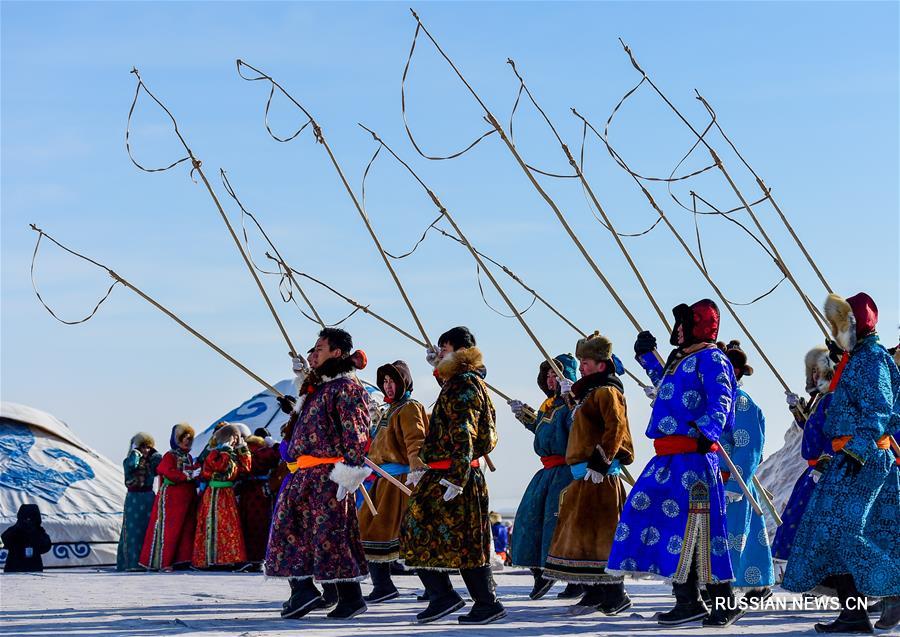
(398, 438)
(849, 538)
(315, 531)
(255, 499)
(537, 513)
(446, 526)
(599, 446)
(673, 525)
(140, 470)
(169, 542)
(219, 539)
(748, 540)
(815, 446)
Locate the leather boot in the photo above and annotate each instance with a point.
(853, 618)
(329, 596)
(304, 598)
(383, 587)
(442, 599)
(487, 608)
(890, 613)
(571, 591)
(688, 607)
(541, 585)
(616, 600)
(725, 607)
(350, 601)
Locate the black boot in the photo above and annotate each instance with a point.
(487, 608)
(384, 588)
(571, 591)
(442, 599)
(725, 608)
(304, 598)
(594, 597)
(688, 607)
(854, 618)
(756, 597)
(329, 596)
(890, 613)
(616, 600)
(542, 585)
(350, 601)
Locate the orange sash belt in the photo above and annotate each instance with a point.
(672, 445)
(445, 464)
(550, 462)
(812, 463)
(305, 462)
(838, 443)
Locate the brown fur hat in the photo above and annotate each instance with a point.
(843, 323)
(225, 432)
(817, 359)
(141, 439)
(255, 442)
(595, 347)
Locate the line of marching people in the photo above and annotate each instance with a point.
(209, 512)
(687, 519)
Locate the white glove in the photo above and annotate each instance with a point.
(565, 385)
(431, 355)
(816, 476)
(188, 474)
(196, 472)
(791, 398)
(593, 476)
(516, 406)
(300, 366)
(650, 391)
(730, 497)
(413, 477)
(270, 441)
(348, 478)
(452, 490)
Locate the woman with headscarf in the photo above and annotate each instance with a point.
(395, 448)
(538, 512)
(169, 540)
(140, 470)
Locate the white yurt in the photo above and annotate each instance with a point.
(80, 493)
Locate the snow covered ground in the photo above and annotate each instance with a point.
(104, 603)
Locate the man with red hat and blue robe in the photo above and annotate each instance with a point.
(849, 538)
(673, 525)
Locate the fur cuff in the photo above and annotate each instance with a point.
(348, 476)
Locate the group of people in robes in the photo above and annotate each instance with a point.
(690, 517)
(209, 512)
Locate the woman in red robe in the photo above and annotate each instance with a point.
(255, 499)
(169, 540)
(219, 541)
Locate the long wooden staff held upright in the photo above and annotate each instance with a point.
(528, 172)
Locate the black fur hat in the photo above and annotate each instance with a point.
(457, 337)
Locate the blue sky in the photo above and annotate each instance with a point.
(809, 91)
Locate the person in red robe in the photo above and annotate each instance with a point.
(219, 540)
(169, 541)
(255, 498)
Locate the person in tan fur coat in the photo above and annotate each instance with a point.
(589, 508)
(395, 447)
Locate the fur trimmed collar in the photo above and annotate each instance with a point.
(467, 359)
(586, 384)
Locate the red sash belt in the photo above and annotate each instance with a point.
(672, 445)
(553, 461)
(445, 464)
(812, 463)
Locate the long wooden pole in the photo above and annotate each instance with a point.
(813, 310)
(546, 197)
(320, 138)
(196, 165)
(767, 192)
(695, 261)
(596, 202)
